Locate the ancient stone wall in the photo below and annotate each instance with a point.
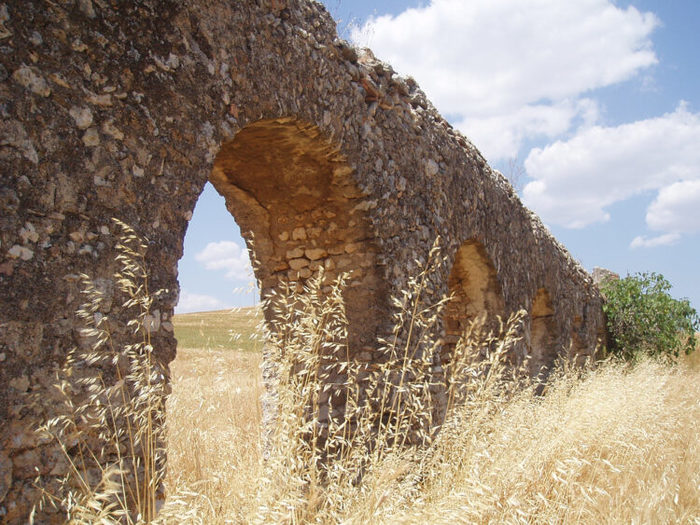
(325, 156)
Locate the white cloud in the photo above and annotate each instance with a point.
(227, 256)
(652, 242)
(193, 302)
(500, 136)
(677, 207)
(575, 180)
(513, 67)
(511, 71)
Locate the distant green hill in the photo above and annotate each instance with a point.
(232, 329)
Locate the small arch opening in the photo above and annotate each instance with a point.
(543, 335)
(299, 210)
(475, 291)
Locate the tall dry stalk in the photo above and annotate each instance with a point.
(357, 442)
(111, 430)
(615, 444)
(337, 419)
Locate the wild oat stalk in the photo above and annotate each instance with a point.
(338, 420)
(613, 444)
(112, 429)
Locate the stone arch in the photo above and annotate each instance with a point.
(475, 290)
(544, 338)
(299, 210)
(147, 99)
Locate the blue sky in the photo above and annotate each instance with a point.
(593, 105)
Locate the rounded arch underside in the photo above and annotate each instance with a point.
(544, 337)
(300, 211)
(474, 290)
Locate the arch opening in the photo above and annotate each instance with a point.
(293, 197)
(476, 293)
(543, 335)
(299, 210)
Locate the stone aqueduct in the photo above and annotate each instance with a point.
(126, 108)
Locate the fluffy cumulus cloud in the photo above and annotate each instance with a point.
(509, 70)
(677, 207)
(500, 136)
(194, 302)
(227, 256)
(665, 239)
(575, 180)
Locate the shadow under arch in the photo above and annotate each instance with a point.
(544, 341)
(475, 290)
(299, 210)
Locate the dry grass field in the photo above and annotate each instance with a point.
(617, 442)
(232, 329)
(613, 445)
(213, 431)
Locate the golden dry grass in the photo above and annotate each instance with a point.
(693, 359)
(617, 445)
(214, 434)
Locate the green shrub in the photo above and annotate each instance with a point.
(643, 318)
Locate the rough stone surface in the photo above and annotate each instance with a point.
(325, 157)
(601, 275)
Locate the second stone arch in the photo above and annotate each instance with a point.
(543, 348)
(475, 293)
